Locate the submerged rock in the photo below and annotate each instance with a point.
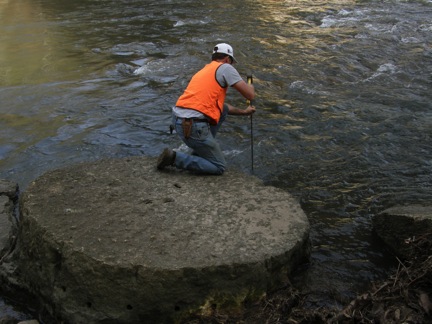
(400, 226)
(116, 241)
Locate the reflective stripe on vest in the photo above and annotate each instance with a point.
(204, 93)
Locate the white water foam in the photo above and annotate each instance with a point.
(387, 68)
(344, 18)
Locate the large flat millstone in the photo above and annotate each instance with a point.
(119, 242)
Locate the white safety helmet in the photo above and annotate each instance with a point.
(224, 49)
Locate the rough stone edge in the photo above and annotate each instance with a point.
(399, 225)
(8, 205)
(217, 300)
(9, 281)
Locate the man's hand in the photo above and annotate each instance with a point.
(249, 110)
(242, 112)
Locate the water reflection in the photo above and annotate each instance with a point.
(23, 32)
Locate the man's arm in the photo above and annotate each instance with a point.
(240, 112)
(247, 90)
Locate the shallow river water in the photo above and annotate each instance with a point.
(344, 119)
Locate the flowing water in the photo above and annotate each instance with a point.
(344, 119)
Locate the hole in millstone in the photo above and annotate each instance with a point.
(63, 288)
(129, 307)
(89, 305)
(176, 308)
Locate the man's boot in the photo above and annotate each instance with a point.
(167, 158)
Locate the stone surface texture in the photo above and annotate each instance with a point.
(116, 241)
(398, 225)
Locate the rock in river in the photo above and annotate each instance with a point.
(116, 241)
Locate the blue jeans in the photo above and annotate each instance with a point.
(207, 156)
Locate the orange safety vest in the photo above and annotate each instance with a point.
(204, 93)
